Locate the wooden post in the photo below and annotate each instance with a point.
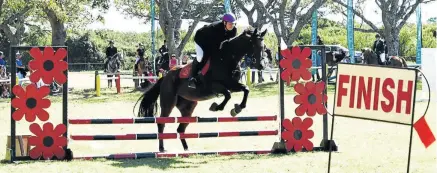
(97, 85)
(248, 78)
(117, 83)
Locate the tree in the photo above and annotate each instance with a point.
(394, 15)
(286, 14)
(13, 15)
(170, 15)
(73, 13)
(261, 18)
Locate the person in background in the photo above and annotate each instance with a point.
(378, 48)
(21, 73)
(163, 48)
(315, 72)
(185, 60)
(140, 50)
(110, 51)
(2, 61)
(173, 61)
(3, 73)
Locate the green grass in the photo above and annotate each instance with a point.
(363, 144)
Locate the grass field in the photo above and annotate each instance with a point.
(364, 146)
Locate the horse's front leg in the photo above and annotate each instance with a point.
(219, 88)
(239, 107)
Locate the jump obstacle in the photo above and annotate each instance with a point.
(278, 146)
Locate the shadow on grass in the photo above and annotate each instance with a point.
(190, 162)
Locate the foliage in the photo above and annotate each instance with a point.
(89, 45)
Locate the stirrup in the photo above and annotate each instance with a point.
(192, 82)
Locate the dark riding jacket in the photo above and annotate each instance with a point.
(111, 51)
(209, 37)
(140, 52)
(378, 47)
(163, 49)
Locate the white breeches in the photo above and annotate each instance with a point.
(199, 52)
(382, 57)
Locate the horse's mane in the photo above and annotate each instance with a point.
(229, 44)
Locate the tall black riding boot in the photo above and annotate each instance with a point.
(192, 80)
(106, 66)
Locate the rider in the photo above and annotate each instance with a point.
(163, 48)
(208, 40)
(140, 57)
(110, 51)
(378, 48)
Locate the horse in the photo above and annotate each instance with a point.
(114, 63)
(220, 75)
(370, 57)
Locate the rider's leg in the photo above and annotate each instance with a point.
(195, 66)
(106, 65)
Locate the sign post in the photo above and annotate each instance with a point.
(383, 94)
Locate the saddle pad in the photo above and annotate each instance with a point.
(185, 71)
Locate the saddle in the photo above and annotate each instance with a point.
(186, 69)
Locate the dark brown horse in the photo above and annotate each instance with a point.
(370, 57)
(219, 76)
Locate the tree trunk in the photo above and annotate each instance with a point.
(59, 34)
(392, 42)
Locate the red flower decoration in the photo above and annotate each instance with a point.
(30, 103)
(296, 64)
(310, 99)
(48, 141)
(297, 134)
(48, 65)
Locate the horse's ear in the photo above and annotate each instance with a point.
(255, 31)
(264, 33)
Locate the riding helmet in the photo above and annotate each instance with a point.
(229, 17)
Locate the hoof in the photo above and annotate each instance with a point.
(186, 149)
(213, 107)
(237, 109)
(233, 113)
(162, 150)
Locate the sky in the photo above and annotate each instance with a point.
(115, 20)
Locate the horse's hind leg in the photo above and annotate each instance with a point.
(186, 108)
(167, 102)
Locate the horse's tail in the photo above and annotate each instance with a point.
(148, 102)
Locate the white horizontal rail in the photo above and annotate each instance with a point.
(131, 77)
(9, 80)
(121, 73)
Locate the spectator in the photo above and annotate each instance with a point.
(3, 73)
(173, 61)
(21, 73)
(185, 60)
(2, 61)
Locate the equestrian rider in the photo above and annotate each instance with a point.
(140, 57)
(110, 51)
(207, 42)
(378, 48)
(163, 48)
